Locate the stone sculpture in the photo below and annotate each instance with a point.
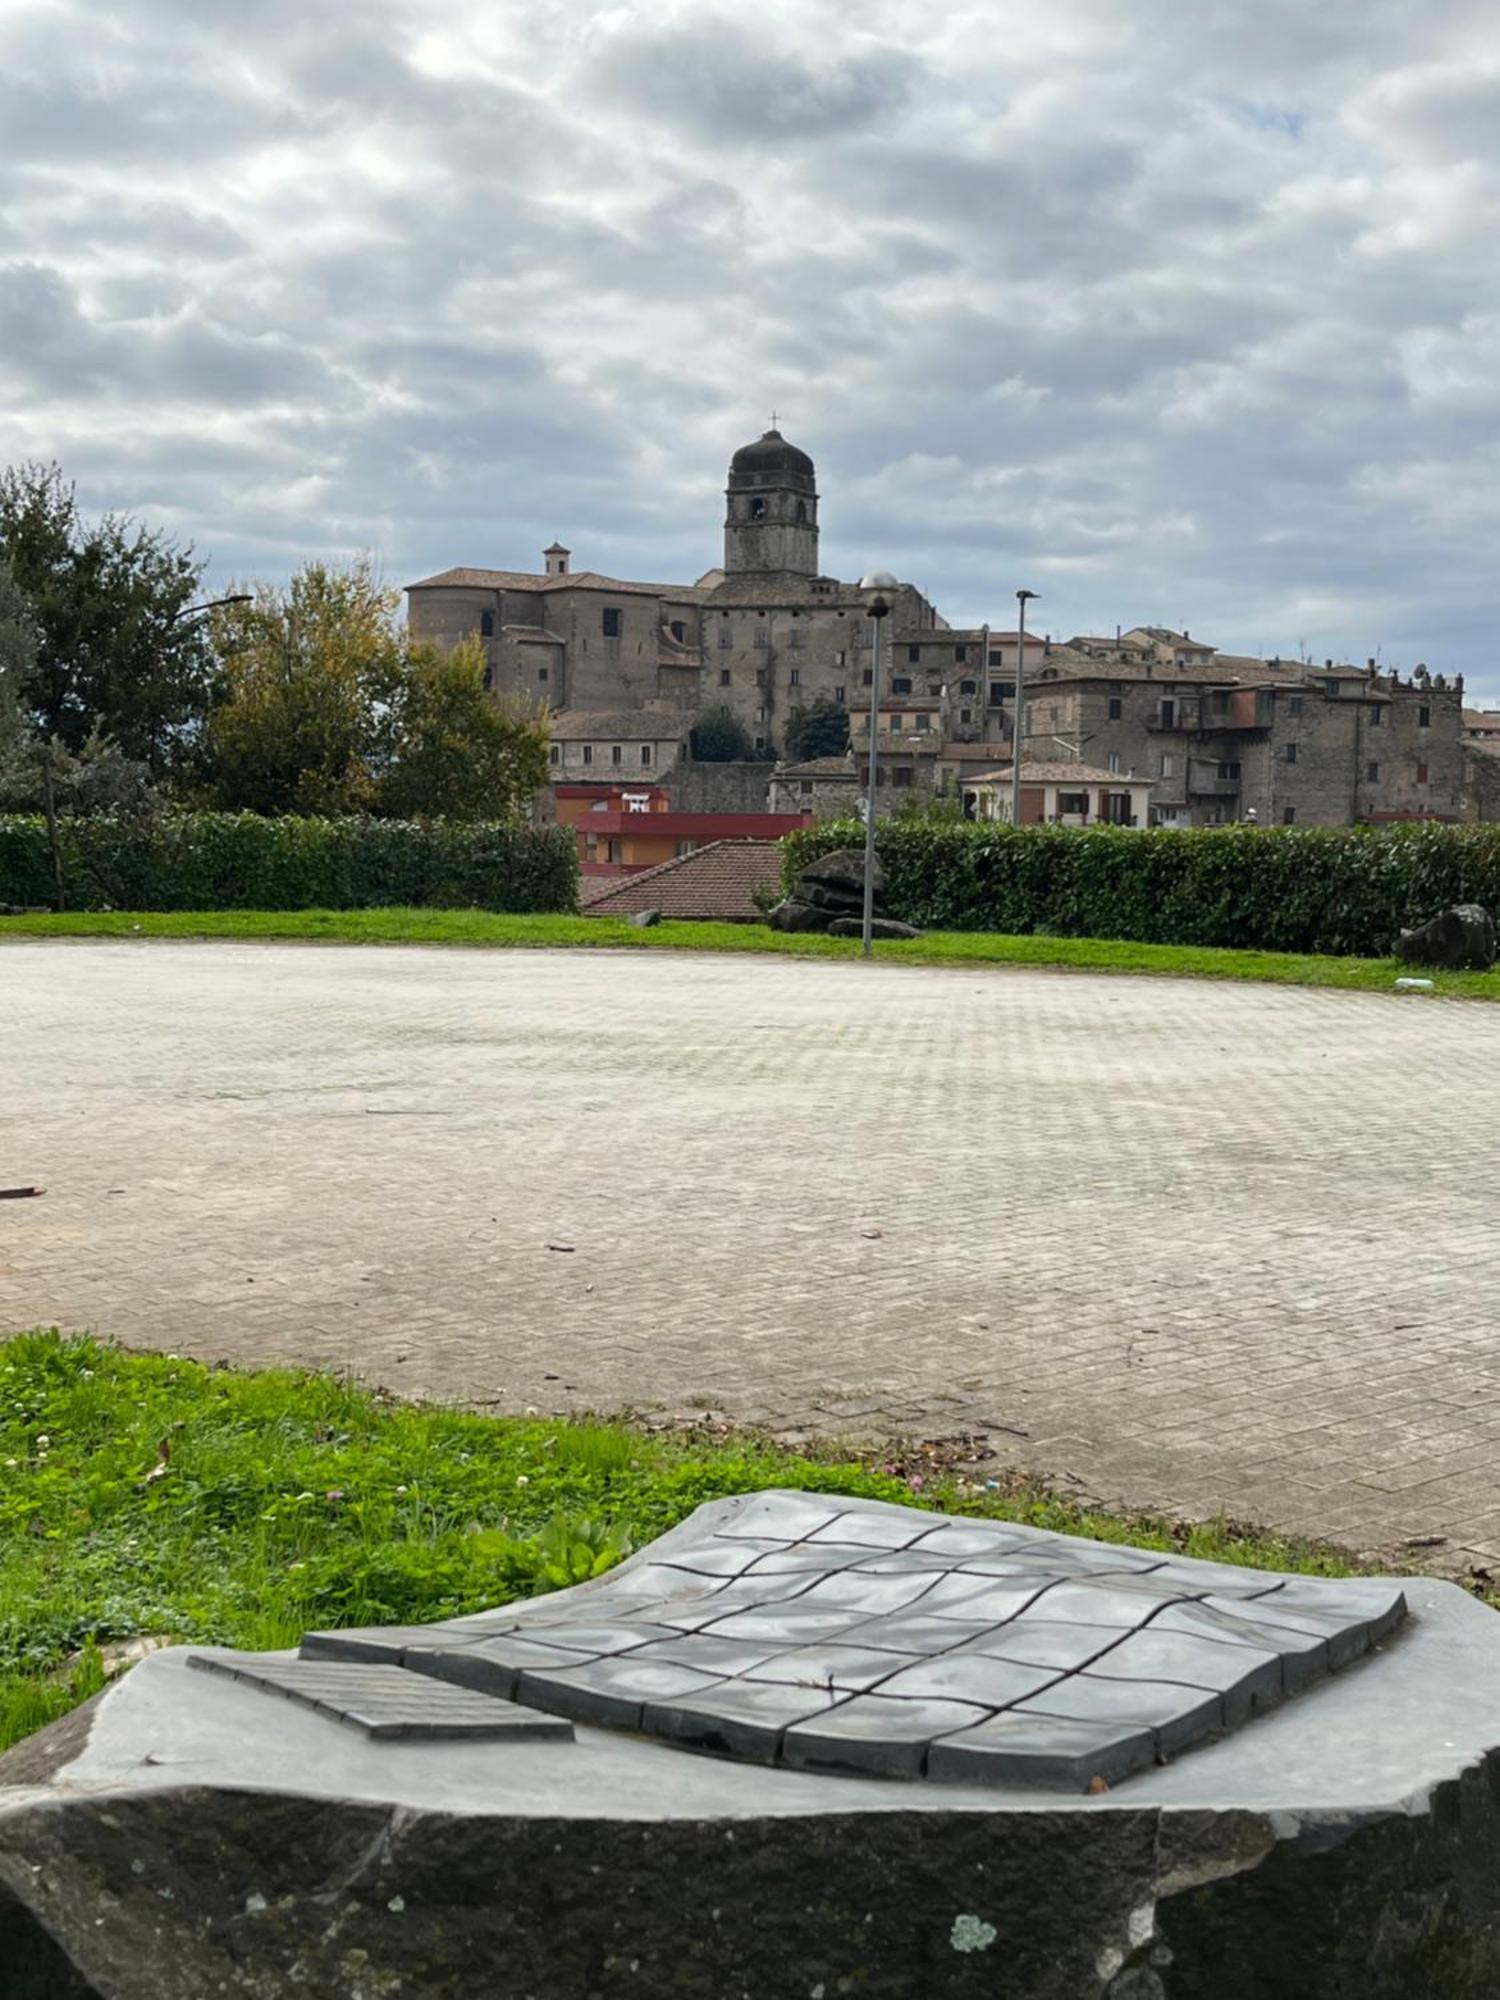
(1461, 939)
(829, 895)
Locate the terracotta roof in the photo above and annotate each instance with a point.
(1060, 774)
(1485, 719)
(531, 584)
(571, 725)
(715, 883)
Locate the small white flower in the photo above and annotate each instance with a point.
(43, 1444)
(400, 1490)
(11, 1464)
(522, 1480)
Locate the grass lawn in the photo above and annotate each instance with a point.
(479, 927)
(142, 1495)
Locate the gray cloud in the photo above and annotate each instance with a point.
(1173, 314)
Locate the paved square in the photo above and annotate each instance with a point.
(1204, 1245)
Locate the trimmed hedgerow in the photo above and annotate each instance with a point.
(1344, 890)
(241, 861)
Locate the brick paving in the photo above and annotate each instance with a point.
(1197, 1246)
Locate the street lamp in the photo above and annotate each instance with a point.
(214, 604)
(1018, 729)
(879, 583)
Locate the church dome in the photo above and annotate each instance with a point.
(771, 461)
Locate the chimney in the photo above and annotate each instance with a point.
(555, 559)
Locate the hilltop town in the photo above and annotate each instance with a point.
(1145, 727)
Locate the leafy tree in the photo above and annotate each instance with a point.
(114, 656)
(719, 737)
(821, 730)
(308, 675)
(454, 750)
(327, 708)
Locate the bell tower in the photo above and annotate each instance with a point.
(771, 521)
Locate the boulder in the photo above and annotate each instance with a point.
(1461, 939)
(838, 900)
(843, 869)
(644, 920)
(795, 915)
(880, 927)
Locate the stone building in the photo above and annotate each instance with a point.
(626, 665)
(1224, 737)
(764, 634)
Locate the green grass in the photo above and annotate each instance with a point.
(147, 1495)
(479, 927)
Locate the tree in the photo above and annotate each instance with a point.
(327, 707)
(114, 657)
(821, 730)
(454, 750)
(719, 737)
(308, 675)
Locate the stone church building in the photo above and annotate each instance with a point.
(765, 634)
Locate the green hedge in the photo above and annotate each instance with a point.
(240, 861)
(1345, 890)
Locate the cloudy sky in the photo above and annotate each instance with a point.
(1184, 311)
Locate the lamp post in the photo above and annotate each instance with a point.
(879, 583)
(1023, 598)
(214, 604)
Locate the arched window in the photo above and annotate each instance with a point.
(486, 624)
(757, 510)
(801, 510)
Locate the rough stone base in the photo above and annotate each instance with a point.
(182, 1839)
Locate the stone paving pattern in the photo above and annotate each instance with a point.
(796, 1629)
(1200, 1246)
(383, 1701)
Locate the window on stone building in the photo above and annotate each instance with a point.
(1424, 717)
(968, 687)
(645, 753)
(726, 637)
(1229, 770)
(913, 654)
(678, 630)
(997, 658)
(1114, 760)
(867, 677)
(960, 654)
(1377, 716)
(901, 684)
(1331, 688)
(966, 715)
(838, 659)
(611, 622)
(1372, 771)
(554, 755)
(1168, 714)
(588, 753)
(1074, 802)
(725, 677)
(794, 677)
(760, 715)
(801, 510)
(838, 693)
(1116, 708)
(794, 636)
(487, 625)
(1168, 764)
(924, 722)
(1294, 704)
(1290, 753)
(762, 635)
(760, 742)
(541, 673)
(616, 755)
(760, 677)
(1288, 815)
(1000, 691)
(901, 777)
(1421, 772)
(757, 510)
(806, 788)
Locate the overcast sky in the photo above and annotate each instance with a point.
(1180, 311)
